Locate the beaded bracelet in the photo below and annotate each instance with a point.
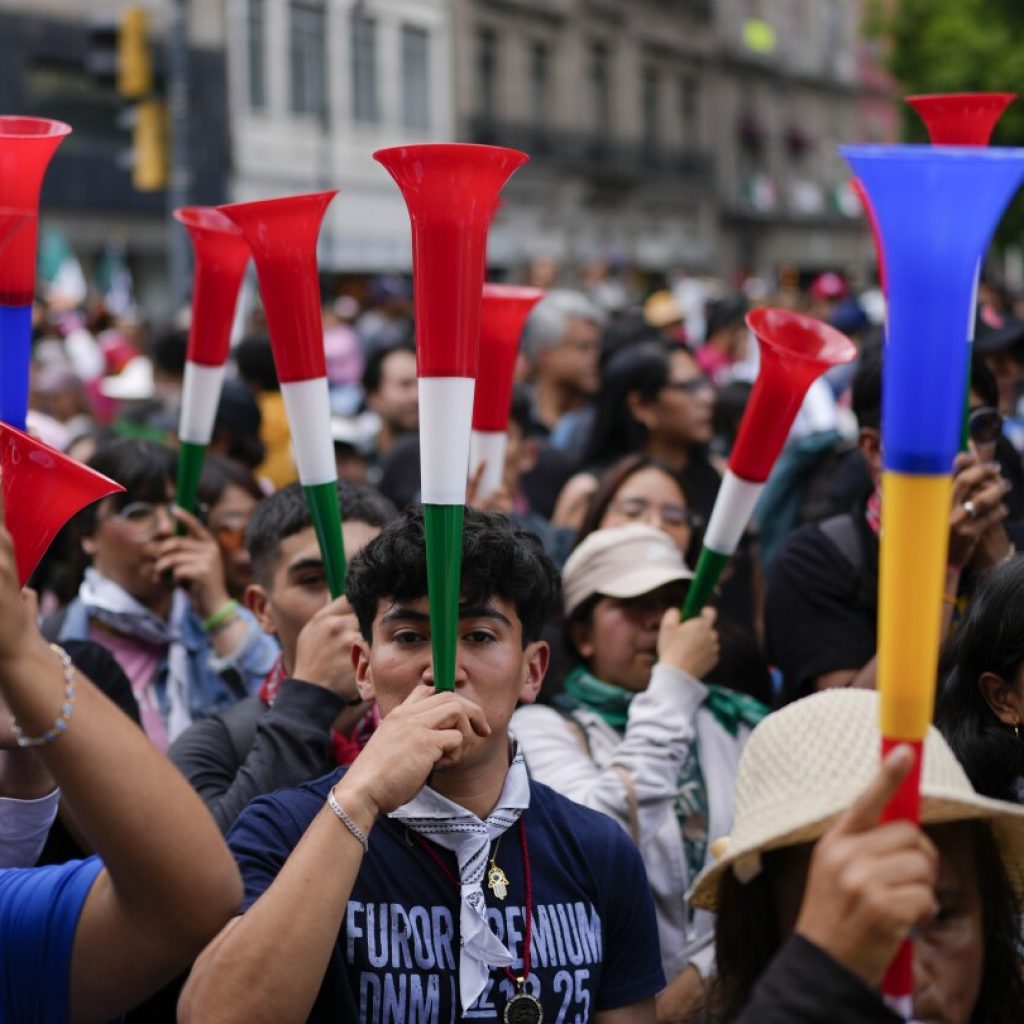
(221, 615)
(65, 710)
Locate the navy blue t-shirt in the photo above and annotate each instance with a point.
(595, 940)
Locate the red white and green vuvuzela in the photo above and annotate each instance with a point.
(450, 191)
(221, 256)
(282, 236)
(503, 312)
(795, 350)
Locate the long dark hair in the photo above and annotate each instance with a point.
(610, 482)
(747, 936)
(608, 485)
(642, 369)
(990, 639)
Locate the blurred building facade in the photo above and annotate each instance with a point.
(692, 133)
(796, 79)
(315, 87)
(88, 203)
(614, 102)
(696, 134)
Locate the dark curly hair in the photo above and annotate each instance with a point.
(498, 559)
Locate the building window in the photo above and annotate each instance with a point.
(540, 73)
(256, 25)
(415, 78)
(365, 101)
(600, 91)
(689, 109)
(308, 58)
(487, 72)
(651, 112)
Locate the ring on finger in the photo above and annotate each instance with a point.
(971, 509)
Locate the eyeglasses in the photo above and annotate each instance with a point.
(143, 517)
(693, 386)
(229, 531)
(985, 425)
(670, 515)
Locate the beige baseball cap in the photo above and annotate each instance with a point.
(623, 561)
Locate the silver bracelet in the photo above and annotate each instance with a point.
(347, 821)
(66, 708)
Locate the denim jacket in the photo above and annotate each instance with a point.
(213, 682)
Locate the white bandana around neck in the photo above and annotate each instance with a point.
(438, 819)
(115, 607)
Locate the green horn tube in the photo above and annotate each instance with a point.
(443, 528)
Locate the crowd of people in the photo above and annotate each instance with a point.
(225, 795)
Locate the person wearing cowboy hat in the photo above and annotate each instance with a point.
(814, 896)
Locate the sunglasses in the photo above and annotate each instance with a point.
(230, 532)
(985, 425)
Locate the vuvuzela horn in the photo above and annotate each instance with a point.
(221, 256)
(282, 236)
(26, 146)
(450, 191)
(795, 351)
(937, 207)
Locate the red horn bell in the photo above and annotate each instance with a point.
(42, 490)
(503, 312)
(961, 118)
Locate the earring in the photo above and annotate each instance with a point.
(1016, 730)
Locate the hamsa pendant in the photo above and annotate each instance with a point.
(497, 882)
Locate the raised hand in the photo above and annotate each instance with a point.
(426, 730)
(19, 631)
(691, 646)
(869, 884)
(977, 509)
(324, 650)
(194, 562)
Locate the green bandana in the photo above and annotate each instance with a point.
(732, 709)
(584, 690)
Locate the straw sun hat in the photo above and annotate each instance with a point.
(806, 764)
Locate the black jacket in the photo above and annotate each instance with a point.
(804, 985)
(250, 749)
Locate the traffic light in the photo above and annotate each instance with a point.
(149, 145)
(134, 58)
(120, 56)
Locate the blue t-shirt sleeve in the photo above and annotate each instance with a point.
(264, 836)
(632, 955)
(39, 912)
